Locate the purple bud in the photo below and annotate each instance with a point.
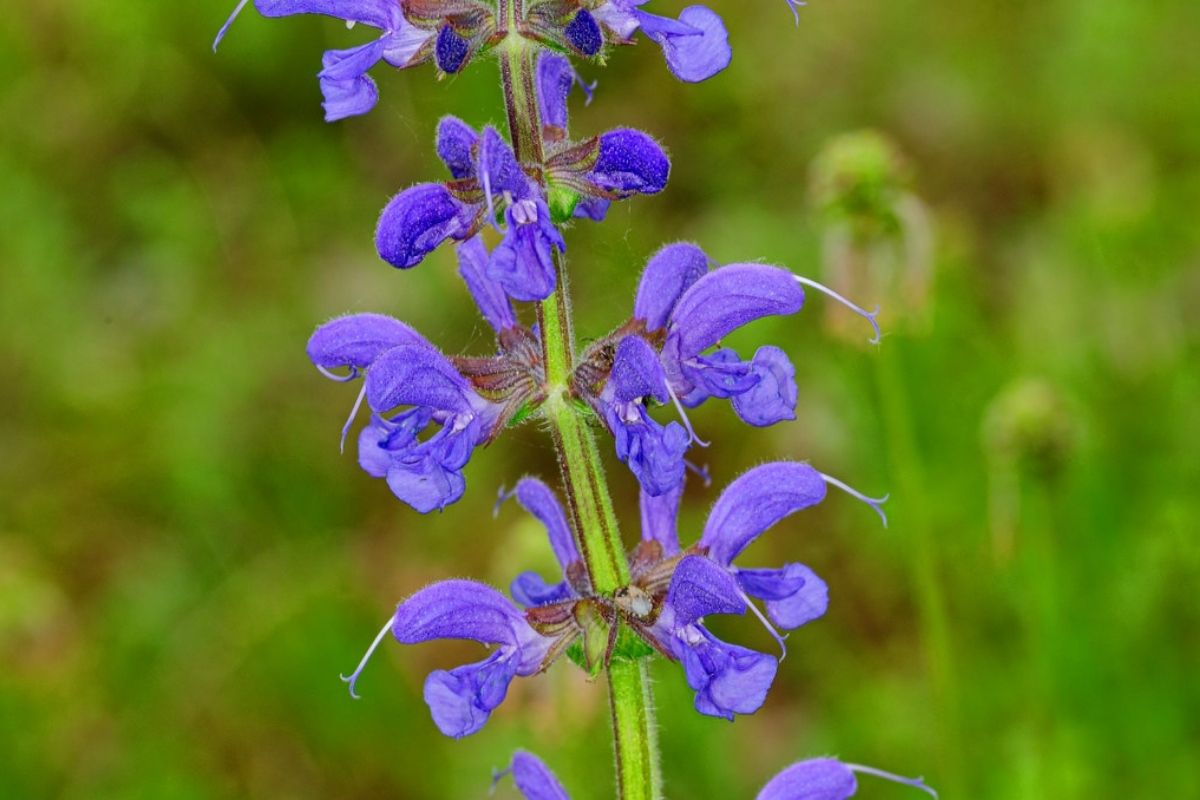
(584, 33)
(555, 77)
(630, 162)
(451, 50)
(455, 139)
(415, 222)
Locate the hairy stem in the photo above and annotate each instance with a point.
(635, 743)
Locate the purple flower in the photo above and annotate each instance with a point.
(467, 400)
(345, 85)
(682, 310)
(462, 699)
(696, 45)
(814, 779)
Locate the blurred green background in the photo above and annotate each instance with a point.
(186, 563)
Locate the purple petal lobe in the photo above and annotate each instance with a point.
(726, 299)
(376, 13)
(814, 779)
(795, 595)
(377, 442)
(727, 679)
(415, 222)
(754, 502)
(630, 162)
(593, 208)
(424, 482)
(658, 518)
(416, 376)
(455, 140)
(636, 372)
(462, 699)
(451, 50)
(538, 499)
(721, 373)
(584, 33)
(499, 164)
(555, 77)
(667, 275)
(523, 262)
(696, 47)
(653, 452)
(772, 398)
(489, 296)
(459, 609)
(345, 86)
(700, 587)
(534, 779)
(356, 340)
(529, 590)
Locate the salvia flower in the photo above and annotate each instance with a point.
(462, 699)
(672, 590)
(405, 40)
(465, 401)
(666, 351)
(814, 779)
(696, 46)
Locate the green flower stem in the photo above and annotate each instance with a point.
(635, 741)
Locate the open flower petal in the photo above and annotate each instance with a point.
(700, 587)
(757, 500)
(772, 398)
(356, 340)
(724, 300)
(668, 274)
(417, 376)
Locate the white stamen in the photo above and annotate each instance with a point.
(766, 624)
(524, 211)
(862, 312)
(487, 185)
(333, 376)
(687, 423)
(353, 677)
(350, 419)
(228, 22)
(916, 783)
(873, 502)
(350, 24)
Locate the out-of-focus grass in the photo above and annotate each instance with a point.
(186, 563)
